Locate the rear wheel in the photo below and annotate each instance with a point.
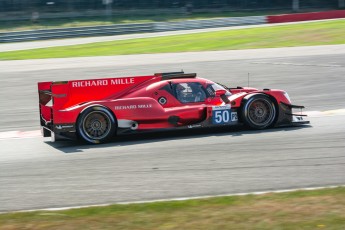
(259, 112)
(96, 125)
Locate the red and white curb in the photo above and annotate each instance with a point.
(37, 133)
(20, 134)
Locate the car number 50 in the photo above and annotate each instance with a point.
(222, 116)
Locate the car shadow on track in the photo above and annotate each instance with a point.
(136, 139)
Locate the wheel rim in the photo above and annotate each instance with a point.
(96, 125)
(261, 112)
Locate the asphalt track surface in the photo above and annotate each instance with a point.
(36, 173)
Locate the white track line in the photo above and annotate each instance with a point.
(325, 113)
(180, 199)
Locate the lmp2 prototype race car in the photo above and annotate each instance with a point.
(96, 110)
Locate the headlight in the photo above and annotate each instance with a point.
(287, 97)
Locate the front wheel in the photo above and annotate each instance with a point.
(259, 112)
(96, 125)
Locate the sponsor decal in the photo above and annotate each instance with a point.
(64, 126)
(194, 126)
(142, 106)
(103, 82)
(146, 106)
(234, 116)
(221, 107)
(162, 100)
(221, 114)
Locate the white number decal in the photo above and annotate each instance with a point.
(221, 116)
(218, 116)
(226, 116)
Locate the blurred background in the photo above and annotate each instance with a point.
(85, 5)
(37, 14)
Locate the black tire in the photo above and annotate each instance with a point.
(258, 111)
(96, 125)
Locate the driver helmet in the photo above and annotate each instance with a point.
(180, 87)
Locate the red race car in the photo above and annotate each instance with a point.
(95, 110)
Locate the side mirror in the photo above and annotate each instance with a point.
(220, 92)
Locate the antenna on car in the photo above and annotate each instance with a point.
(248, 79)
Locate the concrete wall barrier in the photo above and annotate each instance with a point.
(201, 24)
(76, 32)
(127, 29)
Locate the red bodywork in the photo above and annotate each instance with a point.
(139, 103)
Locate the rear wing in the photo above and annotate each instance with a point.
(56, 95)
(45, 98)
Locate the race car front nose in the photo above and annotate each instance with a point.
(286, 95)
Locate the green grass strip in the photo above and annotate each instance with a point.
(306, 34)
(317, 209)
